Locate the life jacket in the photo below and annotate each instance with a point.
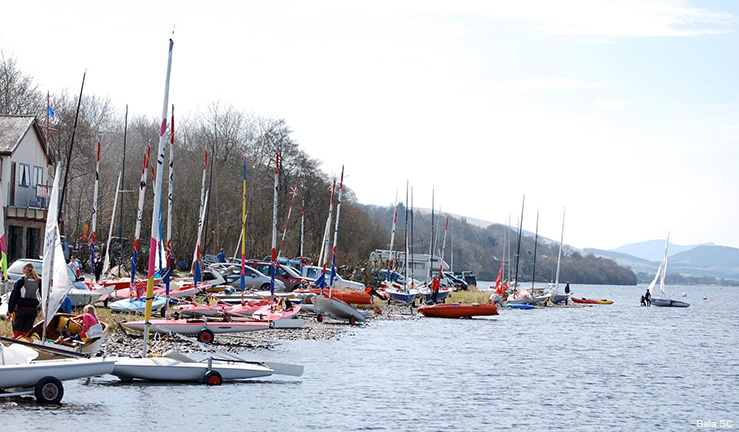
(30, 289)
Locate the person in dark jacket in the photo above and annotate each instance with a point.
(98, 266)
(23, 303)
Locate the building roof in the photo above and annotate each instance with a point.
(14, 128)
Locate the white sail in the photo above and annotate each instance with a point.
(654, 281)
(55, 281)
(664, 267)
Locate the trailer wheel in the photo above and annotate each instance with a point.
(352, 320)
(213, 378)
(49, 390)
(205, 336)
(319, 317)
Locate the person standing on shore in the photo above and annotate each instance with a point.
(23, 303)
(98, 266)
(221, 257)
(74, 265)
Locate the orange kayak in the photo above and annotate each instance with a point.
(458, 310)
(589, 301)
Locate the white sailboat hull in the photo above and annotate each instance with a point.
(174, 370)
(336, 309)
(189, 327)
(660, 302)
(27, 375)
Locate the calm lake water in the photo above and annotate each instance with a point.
(617, 367)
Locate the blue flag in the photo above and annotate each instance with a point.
(51, 112)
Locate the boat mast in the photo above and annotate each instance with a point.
(324, 243)
(106, 261)
(139, 217)
(242, 238)
(170, 196)
(336, 234)
(559, 255)
(536, 243)
(274, 225)
(294, 193)
(302, 232)
(412, 258)
(518, 247)
(156, 210)
(196, 270)
(95, 208)
(69, 154)
(392, 236)
(431, 241)
(443, 246)
(405, 232)
(123, 176)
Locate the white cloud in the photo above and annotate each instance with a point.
(553, 83)
(612, 104)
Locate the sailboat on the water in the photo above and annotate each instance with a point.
(661, 273)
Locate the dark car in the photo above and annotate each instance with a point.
(285, 273)
(455, 282)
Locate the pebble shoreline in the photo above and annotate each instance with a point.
(129, 343)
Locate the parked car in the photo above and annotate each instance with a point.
(339, 282)
(467, 276)
(80, 294)
(254, 279)
(396, 277)
(452, 281)
(291, 278)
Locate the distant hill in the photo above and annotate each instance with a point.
(716, 261)
(654, 250)
(719, 262)
(635, 263)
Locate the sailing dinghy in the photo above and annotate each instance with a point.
(661, 273)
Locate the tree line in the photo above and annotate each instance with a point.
(229, 134)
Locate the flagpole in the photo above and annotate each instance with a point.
(157, 201)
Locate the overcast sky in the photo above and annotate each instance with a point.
(626, 112)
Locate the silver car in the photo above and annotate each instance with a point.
(254, 280)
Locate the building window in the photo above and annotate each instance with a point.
(38, 175)
(25, 175)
